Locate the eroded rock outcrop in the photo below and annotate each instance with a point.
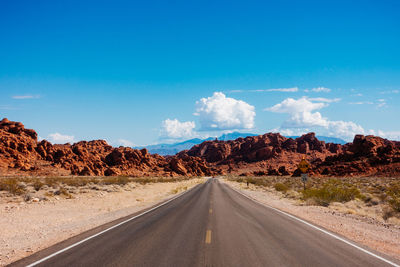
(20, 151)
(271, 153)
(274, 154)
(367, 155)
(268, 154)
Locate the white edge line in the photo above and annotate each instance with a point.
(320, 229)
(106, 230)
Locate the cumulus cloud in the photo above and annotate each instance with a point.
(175, 129)
(57, 138)
(300, 112)
(219, 112)
(345, 129)
(303, 117)
(25, 97)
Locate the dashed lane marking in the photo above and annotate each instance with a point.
(208, 237)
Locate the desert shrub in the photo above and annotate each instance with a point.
(394, 196)
(281, 187)
(120, 180)
(79, 181)
(52, 181)
(178, 189)
(37, 184)
(258, 181)
(65, 192)
(11, 185)
(332, 191)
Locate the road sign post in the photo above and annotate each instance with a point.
(303, 167)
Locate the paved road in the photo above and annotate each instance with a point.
(212, 225)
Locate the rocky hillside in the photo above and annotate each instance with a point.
(271, 153)
(274, 154)
(367, 155)
(268, 154)
(21, 153)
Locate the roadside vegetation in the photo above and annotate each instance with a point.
(40, 188)
(352, 194)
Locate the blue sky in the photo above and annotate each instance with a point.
(135, 72)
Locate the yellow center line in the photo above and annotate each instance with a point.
(208, 237)
(210, 211)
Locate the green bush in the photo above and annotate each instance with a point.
(332, 191)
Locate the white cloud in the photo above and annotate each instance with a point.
(391, 135)
(326, 100)
(124, 142)
(25, 96)
(57, 138)
(319, 90)
(344, 129)
(300, 112)
(177, 130)
(390, 92)
(303, 117)
(361, 103)
(381, 103)
(219, 112)
(293, 89)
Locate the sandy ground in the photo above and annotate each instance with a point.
(373, 233)
(29, 227)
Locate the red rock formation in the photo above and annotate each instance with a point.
(273, 154)
(268, 154)
(367, 155)
(20, 151)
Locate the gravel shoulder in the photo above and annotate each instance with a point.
(365, 230)
(27, 227)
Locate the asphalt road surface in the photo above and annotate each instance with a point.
(211, 225)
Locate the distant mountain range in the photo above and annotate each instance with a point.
(172, 149)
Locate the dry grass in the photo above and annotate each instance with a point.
(19, 185)
(13, 186)
(383, 192)
(281, 187)
(178, 189)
